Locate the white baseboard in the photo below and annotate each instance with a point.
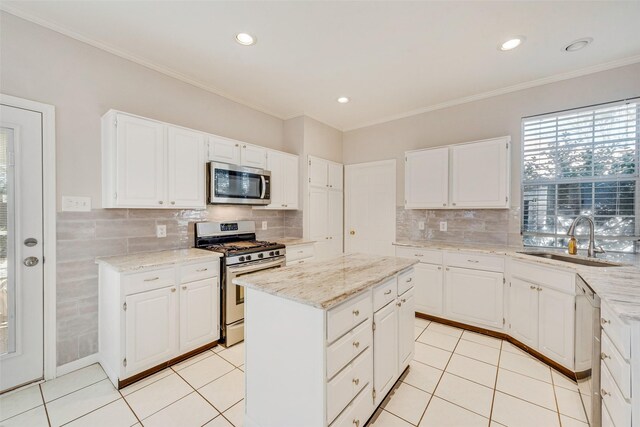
(77, 364)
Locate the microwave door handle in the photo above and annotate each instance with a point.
(264, 186)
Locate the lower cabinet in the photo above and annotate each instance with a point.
(199, 304)
(556, 320)
(385, 353)
(523, 307)
(429, 296)
(406, 321)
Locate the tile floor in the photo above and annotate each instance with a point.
(457, 378)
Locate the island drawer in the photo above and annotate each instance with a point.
(617, 330)
(149, 280)
(619, 409)
(349, 346)
(476, 261)
(297, 252)
(405, 281)
(350, 313)
(423, 255)
(199, 271)
(384, 293)
(344, 386)
(358, 411)
(619, 369)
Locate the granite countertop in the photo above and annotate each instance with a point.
(292, 241)
(146, 260)
(324, 284)
(618, 286)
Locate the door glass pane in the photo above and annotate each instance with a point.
(7, 285)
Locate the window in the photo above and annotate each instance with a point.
(582, 162)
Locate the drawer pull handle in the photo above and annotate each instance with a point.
(604, 392)
(356, 381)
(387, 292)
(409, 280)
(300, 252)
(475, 261)
(152, 279)
(356, 423)
(419, 255)
(356, 312)
(604, 321)
(201, 270)
(604, 356)
(356, 344)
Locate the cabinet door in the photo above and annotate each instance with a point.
(335, 176)
(406, 321)
(151, 334)
(318, 172)
(291, 181)
(318, 223)
(224, 150)
(556, 320)
(426, 179)
(253, 156)
(428, 289)
(474, 296)
(335, 220)
(523, 312)
(385, 350)
(140, 162)
(199, 315)
(186, 168)
(480, 174)
(275, 164)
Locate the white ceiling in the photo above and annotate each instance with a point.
(392, 58)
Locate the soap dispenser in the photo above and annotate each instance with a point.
(573, 246)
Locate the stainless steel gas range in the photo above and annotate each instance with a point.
(243, 254)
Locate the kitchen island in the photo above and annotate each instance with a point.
(327, 340)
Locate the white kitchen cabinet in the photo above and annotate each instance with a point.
(335, 220)
(325, 173)
(406, 318)
(523, 312)
(253, 156)
(385, 350)
(429, 295)
(199, 303)
(300, 253)
(427, 179)
(224, 150)
(480, 174)
(556, 325)
(285, 181)
(474, 296)
(335, 176)
(186, 168)
(318, 221)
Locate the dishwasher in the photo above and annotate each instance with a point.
(587, 350)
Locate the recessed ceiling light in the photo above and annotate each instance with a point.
(512, 43)
(245, 39)
(578, 44)
(343, 100)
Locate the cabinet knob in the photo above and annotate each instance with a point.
(237, 145)
(244, 146)
(604, 356)
(387, 292)
(447, 268)
(184, 287)
(352, 232)
(399, 304)
(173, 203)
(444, 204)
(356, 312)
(453, 204)
(173, 289)
(439, 268)
(533, 287)
(160, 202)
(356, 423)
(403, 300)
(604, 392)
(539, 289)
(409, 280)
(356, 344)
(604, 321)
(356, 381)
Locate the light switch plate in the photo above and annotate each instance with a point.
(161, 230)
(421, 225)
(76, 204)
(443, 225)
(264, 225)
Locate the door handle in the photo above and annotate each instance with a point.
(31, 261)
(30, 242)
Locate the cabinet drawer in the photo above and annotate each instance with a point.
(406, 281)
(618, 367)
(349, 346)
(297, 252)
(193, 272)
(358, 411)
(148, 280)
(613, 401)
(385, 293)
(299, 261)
(475, 261)
(344, 386)
(564, 281)
(423, 255)
(347, 315)
(617, 330)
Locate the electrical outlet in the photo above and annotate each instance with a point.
(264, 225)
(421, 225)
(76, 204)
(161, 230)
(443, 225)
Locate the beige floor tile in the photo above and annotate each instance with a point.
(72, 382)
(507, 346)
(513, 412)
(423, 323)
(479, 352)
(147, 381)
(190, 361)
(469, 395)
(236, 414)
(570, 404)
(206, 370)
(431, 356)
(218, 421)
(445, 329)
(473, 370)
(81, 402)
(571, 422)
(438, 339)
(560, 380)
(386, 419)
(525, 365)
(115, 414)
(482, 339)
(190, 411)
(36, 417)
(422, 376)
(19, 401)
(407, 402)
(158, 395)
(226, 391)
(234, 354)
(526, 388)
(441, 413)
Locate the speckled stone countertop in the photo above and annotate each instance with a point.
(618, 286)
(292, 241)
(147, 260)
(324, 284)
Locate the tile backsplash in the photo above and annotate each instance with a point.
(83, 236)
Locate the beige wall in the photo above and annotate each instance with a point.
(83, 82)
(496, 116)
(322, 140)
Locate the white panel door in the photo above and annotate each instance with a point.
(275, 164)
(523, 312)
(150, 328)
(140, 162)
(335, 212)
(318, 221)
(406, 321)
(474, 296)
(21, 247)
(186, 168)
(556, 320)
(385, 350)
(318, 172)
(335, 175)
(429, 298)
(253, 156)
(480, 174)
(370, 214)
(224, 150)
(199, 314)
(426, 178)
(291, 182)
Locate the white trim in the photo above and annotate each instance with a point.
(49, 220)
(77, 364)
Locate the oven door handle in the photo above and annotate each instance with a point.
(264, 186)
(237, 271)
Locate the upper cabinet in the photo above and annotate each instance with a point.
(150, 164)
(227, 150)
(472, 175)
(325, 173)
(284, 170)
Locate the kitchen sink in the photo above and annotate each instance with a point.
(573, 259)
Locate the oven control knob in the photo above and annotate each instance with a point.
(271, 253)
(260, 255)
(248, 257)
(241, 259)
(277, 252)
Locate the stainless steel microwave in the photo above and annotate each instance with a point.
(238, 185)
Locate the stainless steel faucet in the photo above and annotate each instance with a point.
(592, 250)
